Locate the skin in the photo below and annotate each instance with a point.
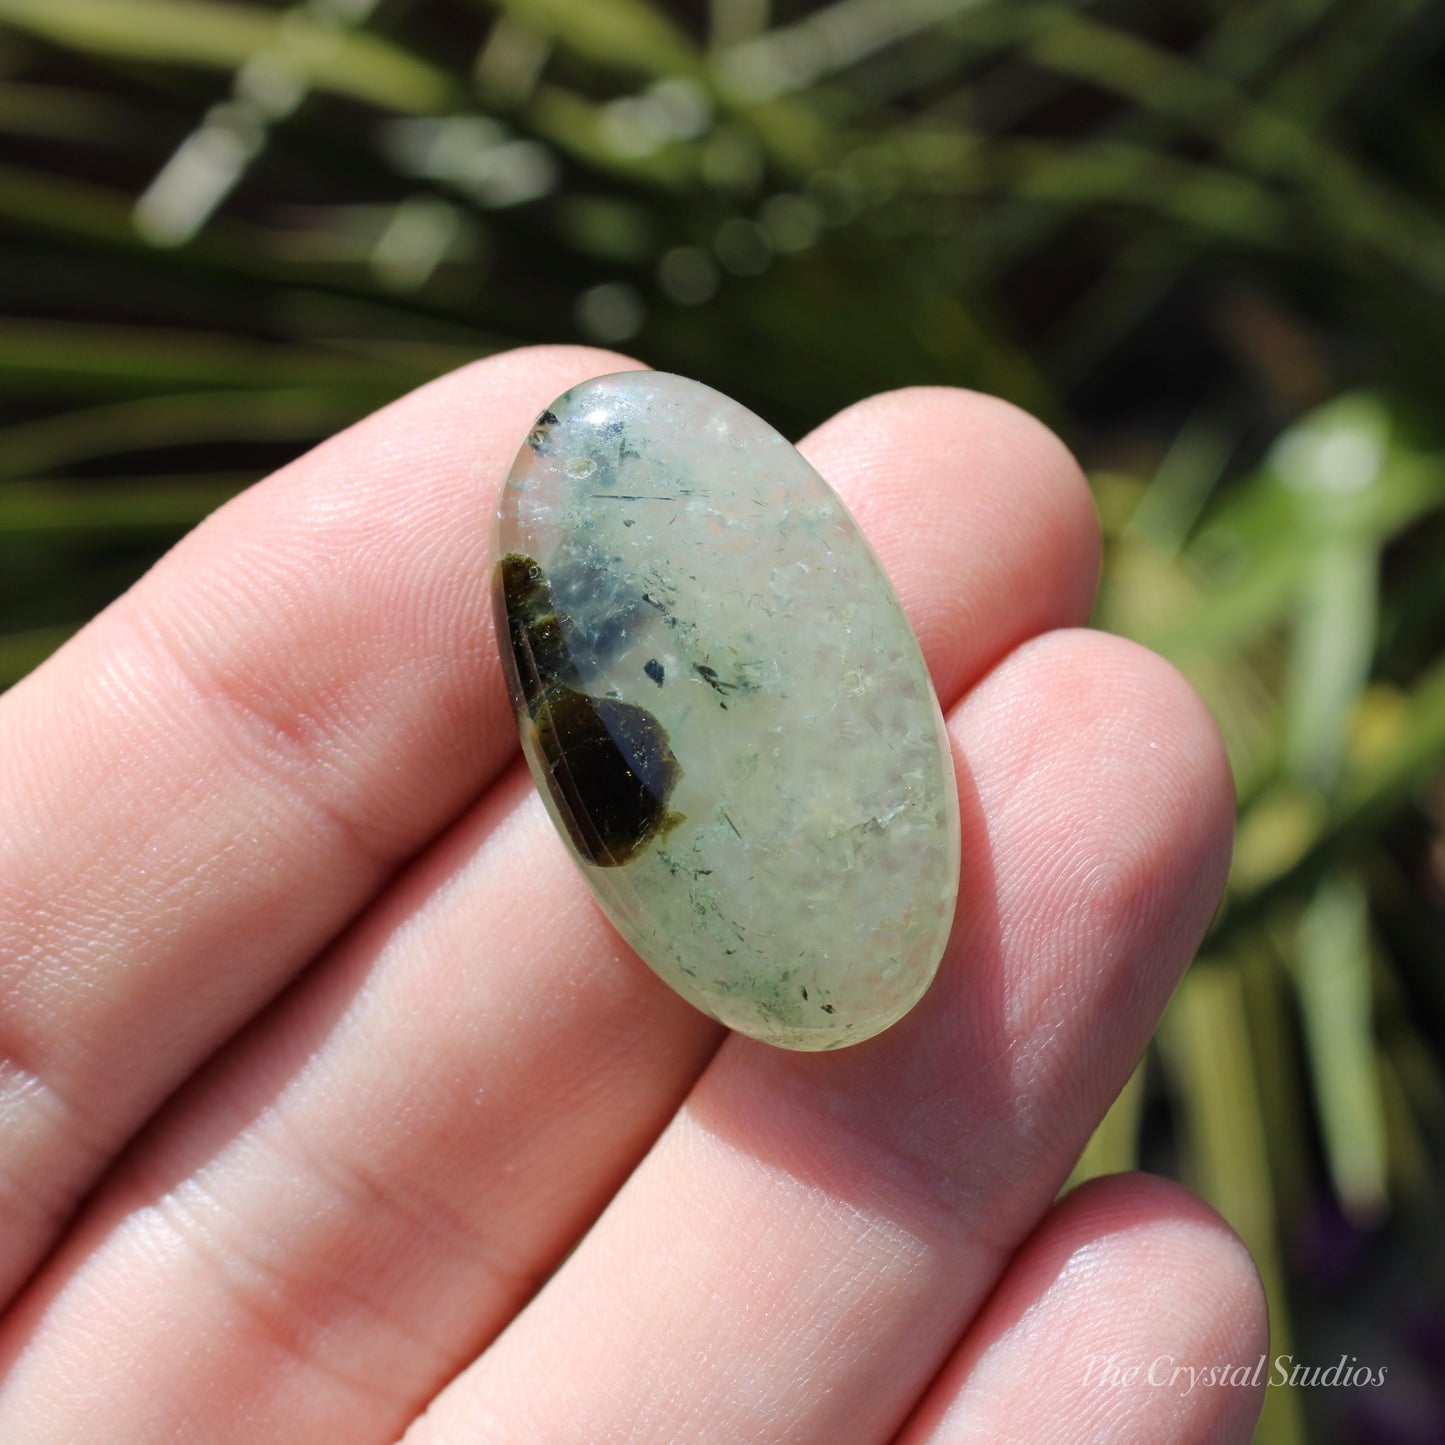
(331, 1108)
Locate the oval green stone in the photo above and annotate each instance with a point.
(726, 711)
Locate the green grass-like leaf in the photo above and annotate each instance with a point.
(225, 36)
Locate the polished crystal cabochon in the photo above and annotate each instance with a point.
(726, 711)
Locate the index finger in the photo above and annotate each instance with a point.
(207, 782)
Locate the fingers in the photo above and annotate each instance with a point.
(366, 1188)
(209, 780)
(981, 516)
(803, 1246)
(1132, 1313)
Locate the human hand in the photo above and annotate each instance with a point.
(296, 977)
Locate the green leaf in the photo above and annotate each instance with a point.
(1334, 465)
(222, 36)
(70, 358)
(1114, 1145)
(1350, 201)
(1206, 1045)
(33, 447)
(1372, 788)
(113, 506)
(1205, 198)
(628, 35)
(1332, 972)
(23, 652)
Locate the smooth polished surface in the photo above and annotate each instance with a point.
(726, 711)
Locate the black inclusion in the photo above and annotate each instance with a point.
(610, 768)
(612, 772)
(533, 627)
(653, 668)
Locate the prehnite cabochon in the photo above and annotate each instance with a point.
(726, 711)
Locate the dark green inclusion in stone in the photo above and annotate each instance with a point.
(608, 762)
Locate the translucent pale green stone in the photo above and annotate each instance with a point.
(726, 711)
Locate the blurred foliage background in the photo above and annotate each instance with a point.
(1203, 239)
